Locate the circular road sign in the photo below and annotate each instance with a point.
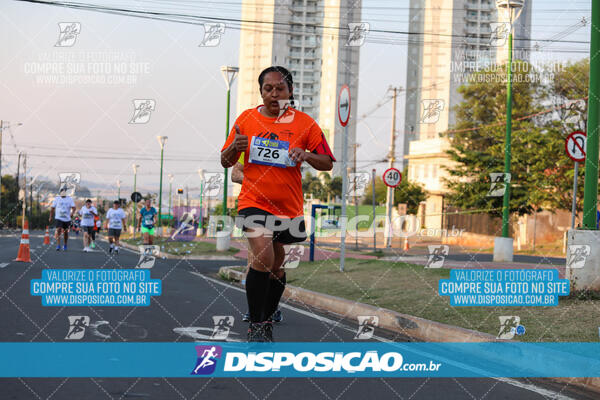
(575, 146)
(392, 177)
(136, 197)
(344, 105)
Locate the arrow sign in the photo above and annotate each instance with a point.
(575, 146)
(344, 105)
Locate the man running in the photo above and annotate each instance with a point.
(146, 221)
(62, 208)
(237, 176)
(275, 138)
(115, 222)
(87, 213)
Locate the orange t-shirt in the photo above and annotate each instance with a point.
(274, 189)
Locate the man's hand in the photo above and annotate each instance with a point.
(240, 142)
(298, 155)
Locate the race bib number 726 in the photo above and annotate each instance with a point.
(270, 152)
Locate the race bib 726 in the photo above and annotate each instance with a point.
(270, 152)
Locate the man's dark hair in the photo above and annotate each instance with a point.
(287, 76)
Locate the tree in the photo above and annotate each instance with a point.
(478, 138)
(9, 203)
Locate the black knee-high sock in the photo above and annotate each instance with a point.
(276, 288)
(257, 287)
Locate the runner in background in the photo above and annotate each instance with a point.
(62, 208)
(115, 222)
(274, 138)
(146, 220)
(97, 227)
(87, 213)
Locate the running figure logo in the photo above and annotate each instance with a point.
(293, 255)
(142, 110)
(578, 253)
(366, 326)
(509, 327)
(212, 34)
(498, 184)
(68, 33)
(207, 359)
(69, 182)
(77, 326)
(223, 325)
(432, 109)
(357, 33)
(186, 226)
(213, 184)
(500, 31)
(357, 183)
(148, 255)
(437, 255)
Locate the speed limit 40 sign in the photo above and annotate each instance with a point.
(392, 177)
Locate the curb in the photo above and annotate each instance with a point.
(404, 324)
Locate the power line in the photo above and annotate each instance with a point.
(194, 19)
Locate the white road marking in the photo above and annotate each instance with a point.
(194, 333)
(541, 391)
(4, 265)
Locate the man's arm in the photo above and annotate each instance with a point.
(320, 162)
(51, 214)
(231, 154)
(237, 173)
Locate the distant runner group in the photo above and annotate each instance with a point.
(64, 212)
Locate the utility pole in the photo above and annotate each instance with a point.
(24, 188)
(355, 200)
(389, 204)
(590, 194)
(1, 126)
(18, 185)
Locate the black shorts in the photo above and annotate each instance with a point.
(63, 224)
(294, 231)
(88, 229)
(114, 232)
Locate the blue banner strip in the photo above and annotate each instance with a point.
(364, 359)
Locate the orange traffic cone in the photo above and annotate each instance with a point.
(406, 245)
(47, 236)
(23, 254)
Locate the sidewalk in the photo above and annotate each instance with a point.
(320, 252)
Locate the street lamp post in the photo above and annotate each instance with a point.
(229, 74)
(170, 191)
(161, 140)
(201, 175)
(133, 203)
(503, 246)
(119, 190)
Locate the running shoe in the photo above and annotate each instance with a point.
(246, 317)
(58, 248)
(93, 245)
(65, 247)
(116, 250)
(255, 332)
(110, 249)
(267, 331)
(277, 316)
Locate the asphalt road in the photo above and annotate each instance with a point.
(191, 297)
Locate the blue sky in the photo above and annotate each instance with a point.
(85, 127)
